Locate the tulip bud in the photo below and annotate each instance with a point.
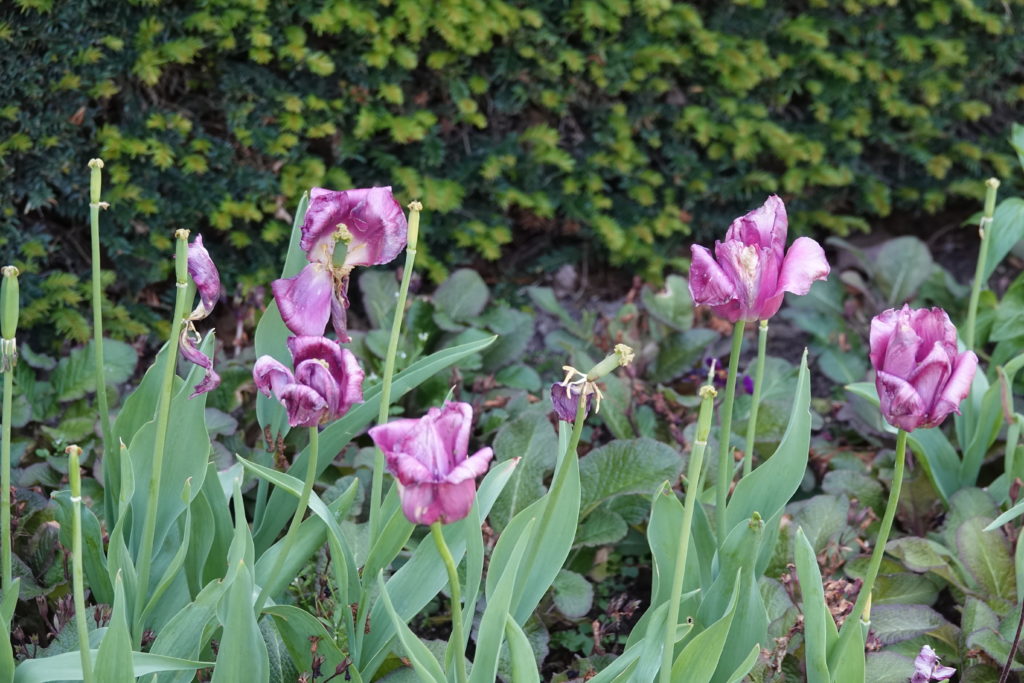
(8, 318)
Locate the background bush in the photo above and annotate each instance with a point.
(633, 123)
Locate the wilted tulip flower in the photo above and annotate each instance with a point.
(428, 457)
(372, 226)
(927, 667)
(753, 270)
(565, 399)
(204, 273)
(327, 380)
(919, 375)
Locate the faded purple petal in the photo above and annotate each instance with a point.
(764, 227)
(453, 423)
(429, 503)
(408, 470)
(927, 668)
(804, 264)
(472, 467)
(882, 327)
(204, 273)
(339, 310)
(305, 407)
(332, 371)
(271, 376)
(958, 386)
(901, 354)
(316, 375)
(942, 673)
(191, 353)
(305, 300)
(391, 436)
(371, 216)
(565, 401)
(900, 404)
(709, 284)
(934, 327)
(930, 375)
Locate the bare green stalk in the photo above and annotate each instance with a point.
(693, 480)
(725, 462)
(300, 511)
(453, 587)
(145, 558)
(377, 483)
(755, 403)
(8, 359)
(95, 185)
(77, 573)
(991, 186)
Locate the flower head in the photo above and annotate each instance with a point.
(327, 380)
(927, 667)
(751, 270)
(428, 456)
(204, 273)
(371, 225)
(919, 375)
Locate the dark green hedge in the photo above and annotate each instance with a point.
(635, 123)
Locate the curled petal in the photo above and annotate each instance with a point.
(472, 467)
(191, 353)
(305, 300)
(709, 284)
(378, 226)
(316, 375)
(930, 375)
(330, 369)
(900, 404)
(765, 227)
(901, 354)
(408, 470)
(428, 503)
(271, 376)
(882, 327)
(204, 273)
(339, 310)
(934, 327)
(320, 226)
(804, 264)
(392, 436)
(957, 387)
(305, 407)
(565, 401)
(453, 423)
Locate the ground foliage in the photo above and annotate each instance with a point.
(634, 123)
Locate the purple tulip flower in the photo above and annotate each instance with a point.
(927, 667)
(327, 380)
(372, 226)
(428, 458)
(204, 273)
(919, 375)
(753, 270)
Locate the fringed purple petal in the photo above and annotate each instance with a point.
(271, 376)
(204, 273)
(191, 353)
(305, 300)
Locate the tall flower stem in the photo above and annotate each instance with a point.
(95, 185)
(145, 558)
(77, 573)
(377, 483)
(862, 608)
(453, 586)
(693, 480)
(724, 448)
(991, 186)
(8, 359)
(300, 511)
(762, 344)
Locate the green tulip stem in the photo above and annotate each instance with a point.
(453, 587)
(862, 608)
(300, 511)
(96, 180)
(762, 344)
(77, 580)
(9, 309)
(725, 462)
(693, 481)
(145, 557)
(991, 186)
(377, 483)
(5, 485)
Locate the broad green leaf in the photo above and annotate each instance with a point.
(242, 655)
(421, 658)
(896, 623)
(672, 305)
(75, 375)
(1007, 229)
(68, 667)
(697, 661)
(624, 467)
(336, 435)
(462, 296)
(499, 602)
(380, 292)
(887, 666)
(524, 666)
(924, 555)
(114, 660)
(820, 631)
(900, 267)
(188, 632)
(905, 588)
(986, 556)
(530, 438)
(573, 594)
(768, 488)
(601, 527)
(296, 628)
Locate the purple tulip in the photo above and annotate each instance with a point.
(753, 271)
(927, 667)
(919, 375)
(428, 457)
(372, 226)
(204, 273)
(565, 399)
(327, 381)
